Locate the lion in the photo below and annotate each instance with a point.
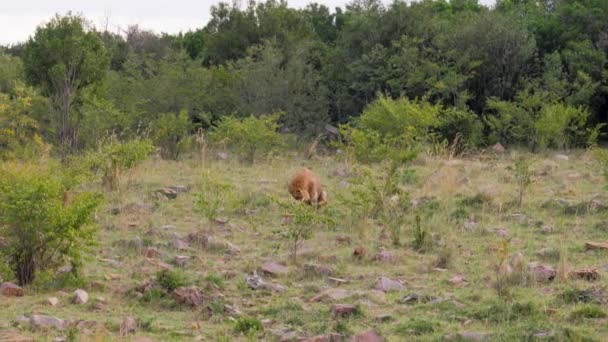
(305, 186)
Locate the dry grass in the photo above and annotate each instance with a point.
(459, 192)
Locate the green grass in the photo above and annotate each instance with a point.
(454, 192)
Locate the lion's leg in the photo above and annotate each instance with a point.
(322, 198)
(305, 196)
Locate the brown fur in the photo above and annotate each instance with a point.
(305, 186)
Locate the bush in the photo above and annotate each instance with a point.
(42, 230)
(115, 157)
(562, 126)
(20, 136)
(216, 196)
(457, 122)
(389, 129)
(170, 279)
(248, 325)
(171, 132)
(250, 137)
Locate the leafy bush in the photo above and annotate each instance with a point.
(562, 126)
(248, 325)
(458, 122)
(510, 122)
(115, 157)
(171, 132)
(250, 137)
(523, 177)
(389, 129)
(42, 230)
(170, 279)
(19, 132)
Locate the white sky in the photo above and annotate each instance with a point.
(19, 18)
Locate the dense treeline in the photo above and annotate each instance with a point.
(527, 72)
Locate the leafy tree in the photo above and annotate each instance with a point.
(42, 230)
(63, 57)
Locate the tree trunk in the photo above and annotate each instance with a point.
(24, 269)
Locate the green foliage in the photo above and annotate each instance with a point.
(247, 325)
(601, 157)
(115, 157)
(587, 311)
(523, 176)
(415, 327)
(63, 57)
(250, 137)
(172, 133)
(216, 196)
(421, 238)
(43, 231)
(563, 126)
(20, 133)
(170, 279)
(457, 122)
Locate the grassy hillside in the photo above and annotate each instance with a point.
(472, 275)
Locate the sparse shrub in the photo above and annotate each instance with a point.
(170, 279)
(153, 295)
(42, 231)
(171, 132)
(456, 123)
(251, 137)
(216, 196)
(415, 327)
(563, 126)
(115, 157)
(215, 280)
(523, 177)
(248, 325)
(573, 295)
(587, 311)
(421, 238)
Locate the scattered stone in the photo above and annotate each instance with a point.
(256, 282)
(188, 295)
(221, 220)
(470, 224)
(415, 298)
(544, 334)
(542, 273)
(151, 252)
(385, 256)
(367, 336)
(468, 336)
(180, 244)
(498, 148)
(546, 229)
(343, 239)
(52, 301)
(337, 281)
(562, 157)
(457, 280)
(284, 334)
(203, 240)
(179, 188)
(502, 232)
(167, 192)
(341, 172)
(128, 326)
(385, 285)
(548, 253)
(332, 295)
(9, 289)
(590, 245)
(588, 274)
(333, 337)
(343, 310)
(222, 155)
(318, 270)
(65, 269)
(360, 253)
(60, 339)
(80, 297)
(273, 268)
(332, 129)
(180, 260)
(46, 322)
(143, 339)
(136, 243)
(383, 318)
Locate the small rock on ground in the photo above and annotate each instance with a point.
(128, 326)
(52, 301)
(80, 297)
(9, 289)
(367, 336)
(188, 296)
(273, 268)
(343, 310)
(385, 284)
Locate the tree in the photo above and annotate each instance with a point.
(41, 229)
(63, 57)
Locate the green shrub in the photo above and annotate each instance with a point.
(248, 325)
(171, 132)
(455, 121)
(415, 327)
(216, 196)
(170, 279)
(115, 157)
(510, 123)
(587, 311)
(523, 177)
(562, 126)
(250, 137)
(389, 129)
(42, 230)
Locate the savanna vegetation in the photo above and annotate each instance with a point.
(458, 144)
